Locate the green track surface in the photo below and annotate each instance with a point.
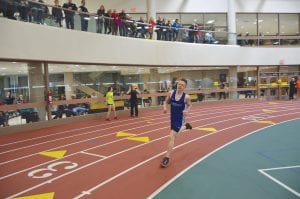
(232, 172)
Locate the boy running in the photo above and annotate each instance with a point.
(180, 105)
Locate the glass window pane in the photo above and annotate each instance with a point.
(268, 24)
(215, 19)
(289, 24)
(246, 24)
(137, 16)
(170, 17)
(191, 18)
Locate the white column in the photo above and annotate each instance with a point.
(231, 21)
(151, 12)
(232, 80)
(37, 86)
(151, 9)
(68, 81)
(153, 88)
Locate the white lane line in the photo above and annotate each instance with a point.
(262, 171)
(73, 143)
(129, 149)
(99, 125)
(72, 130)
(280, 168)
(179, 146)
(89, 132)
(15, 173)
(93, 154)
(54, 134)
(206, 156)
(71, 136)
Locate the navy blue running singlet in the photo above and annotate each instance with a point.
(177, 107)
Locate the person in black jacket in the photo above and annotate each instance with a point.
(57, 13)
(69, 13)
(84, 17)
(292, 88)
(133, 91)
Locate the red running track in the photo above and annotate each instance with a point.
(98, 164)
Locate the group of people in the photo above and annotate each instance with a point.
(133, 92)
(179, 102)
(107, 21)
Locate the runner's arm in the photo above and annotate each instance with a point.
(167, 101)
(188, 106)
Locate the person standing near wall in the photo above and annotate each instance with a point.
(298, 88)
(292, 88)
(110, 104)
(180, 105)
(133, 91)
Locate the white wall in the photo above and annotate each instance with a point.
(131, 6)
(26, 41)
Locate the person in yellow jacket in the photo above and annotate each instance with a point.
(110, 104)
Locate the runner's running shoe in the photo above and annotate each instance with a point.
(165, 162)
(188, 126)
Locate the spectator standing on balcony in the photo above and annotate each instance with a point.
(131, 27)
(9, 8)
(192, 30)
(69, 13)
(84, 17)
(110, 104)
(33, 11)
(100, 20)
(43, 12)
(57, 13)
(115, 21)
(159, 28)
(151, 27)
(107, 22)
(141, 28)
(164, 29)
(169, 32)
(121, 23)
(176, 26)
(23, 9)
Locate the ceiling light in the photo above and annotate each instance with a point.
(210, 21)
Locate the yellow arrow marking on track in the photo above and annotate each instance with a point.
(125, 134)
(39, 196)
(267, 111)
(139, 139)
(272, 103)
(54, 154)
(148, 121)
(265, 122)
(207, 129)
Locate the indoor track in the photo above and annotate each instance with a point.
(121, 158)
